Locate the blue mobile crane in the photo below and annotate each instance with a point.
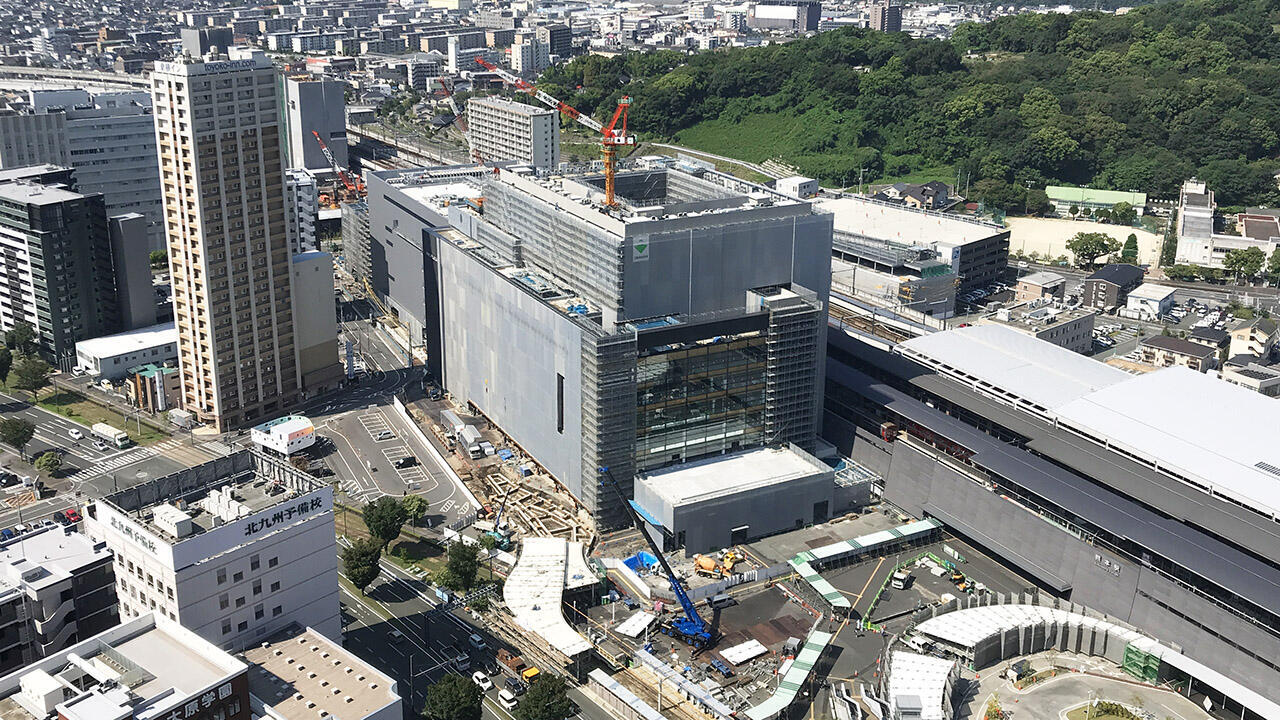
(691, 628)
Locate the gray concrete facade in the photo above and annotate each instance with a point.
(1116, 585)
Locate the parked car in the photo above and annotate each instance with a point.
(61, 518)
(482, 681)
(507, 700)
(384, 435)
(73, 515)
(406, 461)
(6, 534)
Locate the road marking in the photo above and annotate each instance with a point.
(869, 579)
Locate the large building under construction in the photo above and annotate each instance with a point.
(685, 322)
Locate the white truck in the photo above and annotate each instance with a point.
(469, 438)
(110, 435)
(452, 423)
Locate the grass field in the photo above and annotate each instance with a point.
(756, 139)
(409, 551)
(77, 407)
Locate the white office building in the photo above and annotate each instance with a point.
(109, 357)
(235, 549)
(502, 129)
(301, 207)
(529, 55)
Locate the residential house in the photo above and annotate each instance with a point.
(932, 195)
(1257, 338)
(1165, 351)
(1110, 285)
(1038, 285)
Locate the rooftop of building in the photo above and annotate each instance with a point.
(47, 556)
(1095, 196)
(1118, 274)
(743, 471)
(1210, 335)
(301, 674)
(1034, 316)
(1043, 278)
(144, 667)
(906, 225)
(1179, 345)
(1152, 291)
(1005, 361)
(19, 173)
(129, 341)
(1173, 417)
(512, 106)
(188, 503)
(34, 194)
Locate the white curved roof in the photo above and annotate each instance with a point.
(921, 677)
(968, 627)
(534, 589)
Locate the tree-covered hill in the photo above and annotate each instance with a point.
(1138, 101)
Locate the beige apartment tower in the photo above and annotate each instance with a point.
(219, 139)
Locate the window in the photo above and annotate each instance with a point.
(223, 601)
(275, 611)
(258, 612)
(242, 626)
(226, 626)
(240, 602)
(275, 586)
(237, 577)
(560, 403)
(222, 575)
(254, 563)
(257, 587)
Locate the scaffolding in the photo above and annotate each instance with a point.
(608, 422)
(791, 347)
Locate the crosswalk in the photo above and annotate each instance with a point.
(102, 467)
(175, 448)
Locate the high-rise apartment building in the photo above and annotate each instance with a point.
(315, 106)
(301, 209)
(529, 55)
(218, 132)
(886, 16)
(500, 129)
(27, 139)
(558, 38)
(56, 268)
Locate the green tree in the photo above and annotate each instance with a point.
(1273, 267)
(31, 374)
(17, 432)
(1183, 272)
(21, 337)
(384, 517)
(1089, 246)
(463, 564)
(360, 562)
(546, 699)
(6, 362)
(1129, 254)
(415, 506)
(1122, 213)
(1245, 263)
(159, 259)
(453, 697)
(49, 463)
(1073, 211)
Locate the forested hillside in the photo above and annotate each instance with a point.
(1131, 102)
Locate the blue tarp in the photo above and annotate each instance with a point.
(640, 561)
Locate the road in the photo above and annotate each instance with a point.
(432, 637)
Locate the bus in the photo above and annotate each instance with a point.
(110, 435)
